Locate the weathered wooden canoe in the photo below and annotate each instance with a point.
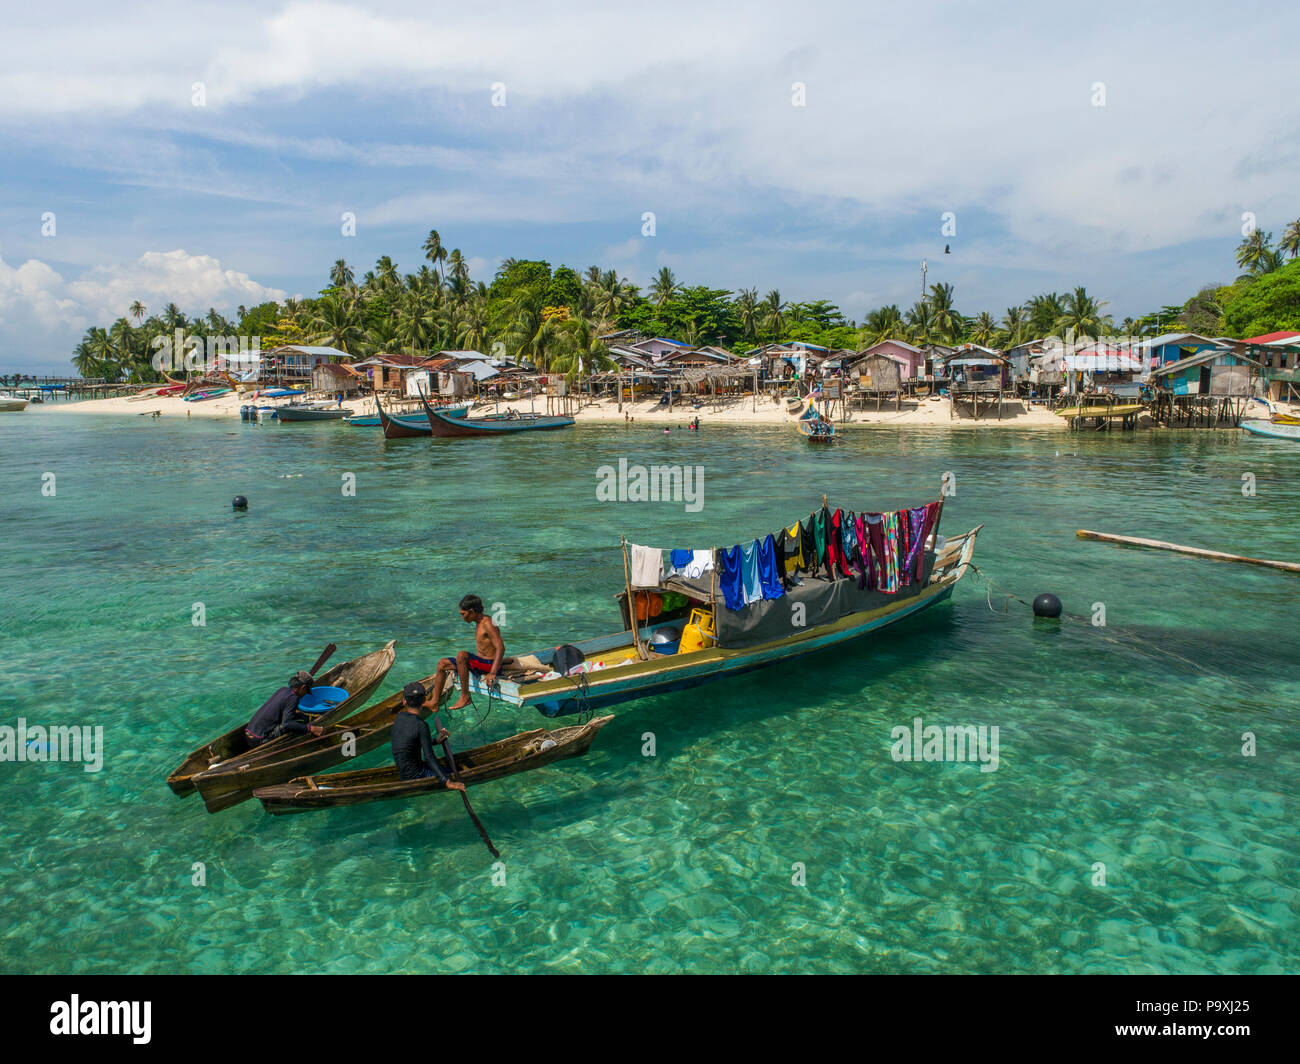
(368, 729)
(507, 757)
(449, 427)
(1102, 410)
(401, 428)
(360, 676)
(312, 412)
(371, 421)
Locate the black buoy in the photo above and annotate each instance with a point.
(1047, 605)
(241, 503)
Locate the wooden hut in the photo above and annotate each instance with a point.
(877, 376)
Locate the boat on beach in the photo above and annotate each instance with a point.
(203, 397)
(311, 412)
(359, 677)
(234, 781)
(621, 666)
(12, 404)
(1275, 428)
(507, 757)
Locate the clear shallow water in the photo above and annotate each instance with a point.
(1118, 744)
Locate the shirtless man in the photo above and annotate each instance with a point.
(490, 652)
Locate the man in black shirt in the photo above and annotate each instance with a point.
(412, 742)
(279, 713)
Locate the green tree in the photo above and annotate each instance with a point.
(663, 287)
(1290, 242)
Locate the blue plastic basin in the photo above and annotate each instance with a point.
(321, 699)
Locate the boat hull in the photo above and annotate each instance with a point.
(292, 413)
(12, 405)
(1273, 430)
(508, 757)
(447, 427)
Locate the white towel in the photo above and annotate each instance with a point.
(647, 566)
(701, 562)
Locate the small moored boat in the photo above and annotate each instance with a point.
(312, 412)
(1274, 429)
(447, 427)
(507, 757)
(12, 404)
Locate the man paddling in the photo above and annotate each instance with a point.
(412, 742)
(279, 714)
(489, 648)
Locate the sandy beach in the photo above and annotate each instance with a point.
(1015, 413)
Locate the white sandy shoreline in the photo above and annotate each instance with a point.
(1015, 414)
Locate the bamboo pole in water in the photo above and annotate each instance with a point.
(1156, 544)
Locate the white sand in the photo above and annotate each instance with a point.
(1015, 414)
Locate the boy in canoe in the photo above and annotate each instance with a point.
(279, 714)
(412, 743)
(489, 648)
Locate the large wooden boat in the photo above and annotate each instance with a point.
(235, 781)
(371, 421)
(621, 671)
(359, 677)
(507, 757)
(448, 427)
(1274, 429)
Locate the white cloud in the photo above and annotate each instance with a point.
(42, 316)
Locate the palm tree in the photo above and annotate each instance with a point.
(945, 322)
(746, 304)
(983, 328)
(1044, 312)
(336, 324)
(472, 330)
(386, 273)
(614, 296)
(434, 251)
(137, 310)
(920, 321)
(1253, 251)
(1082, 315)
(341, 274)
(773, 312)
(885, 323)
(1290, 242)
(459, 273)
(663, 287)
(1014, 324)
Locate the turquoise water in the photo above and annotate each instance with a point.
(1118, 744)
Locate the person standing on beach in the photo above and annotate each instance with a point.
(490, 651)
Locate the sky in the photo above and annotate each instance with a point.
(207, 154)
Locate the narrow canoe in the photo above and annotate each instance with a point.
(371, 421)
(1276, 430)
(199, 397)
(311, 413)
(507, 757)
(235, 781)
(360, 676)
(401, 428)
(1099, 410)
(448, 427)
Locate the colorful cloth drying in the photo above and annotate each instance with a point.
(889, 582)
(728, 561)
(753, 582)
(769, 574)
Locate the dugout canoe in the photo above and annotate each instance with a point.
(448, 427)
(401, 428)
(506, 757)
(360, 677)
(235, 781)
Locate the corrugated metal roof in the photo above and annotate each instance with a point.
(329, 352)
(1103, 360)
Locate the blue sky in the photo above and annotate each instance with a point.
(611, 110)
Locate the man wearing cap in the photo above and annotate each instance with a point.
(279, 713)
(413, 743)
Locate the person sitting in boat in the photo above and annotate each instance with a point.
(412, 741)
(279, 714)
(487, 641)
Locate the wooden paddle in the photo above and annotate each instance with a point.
(464, 797)
(325, 656)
